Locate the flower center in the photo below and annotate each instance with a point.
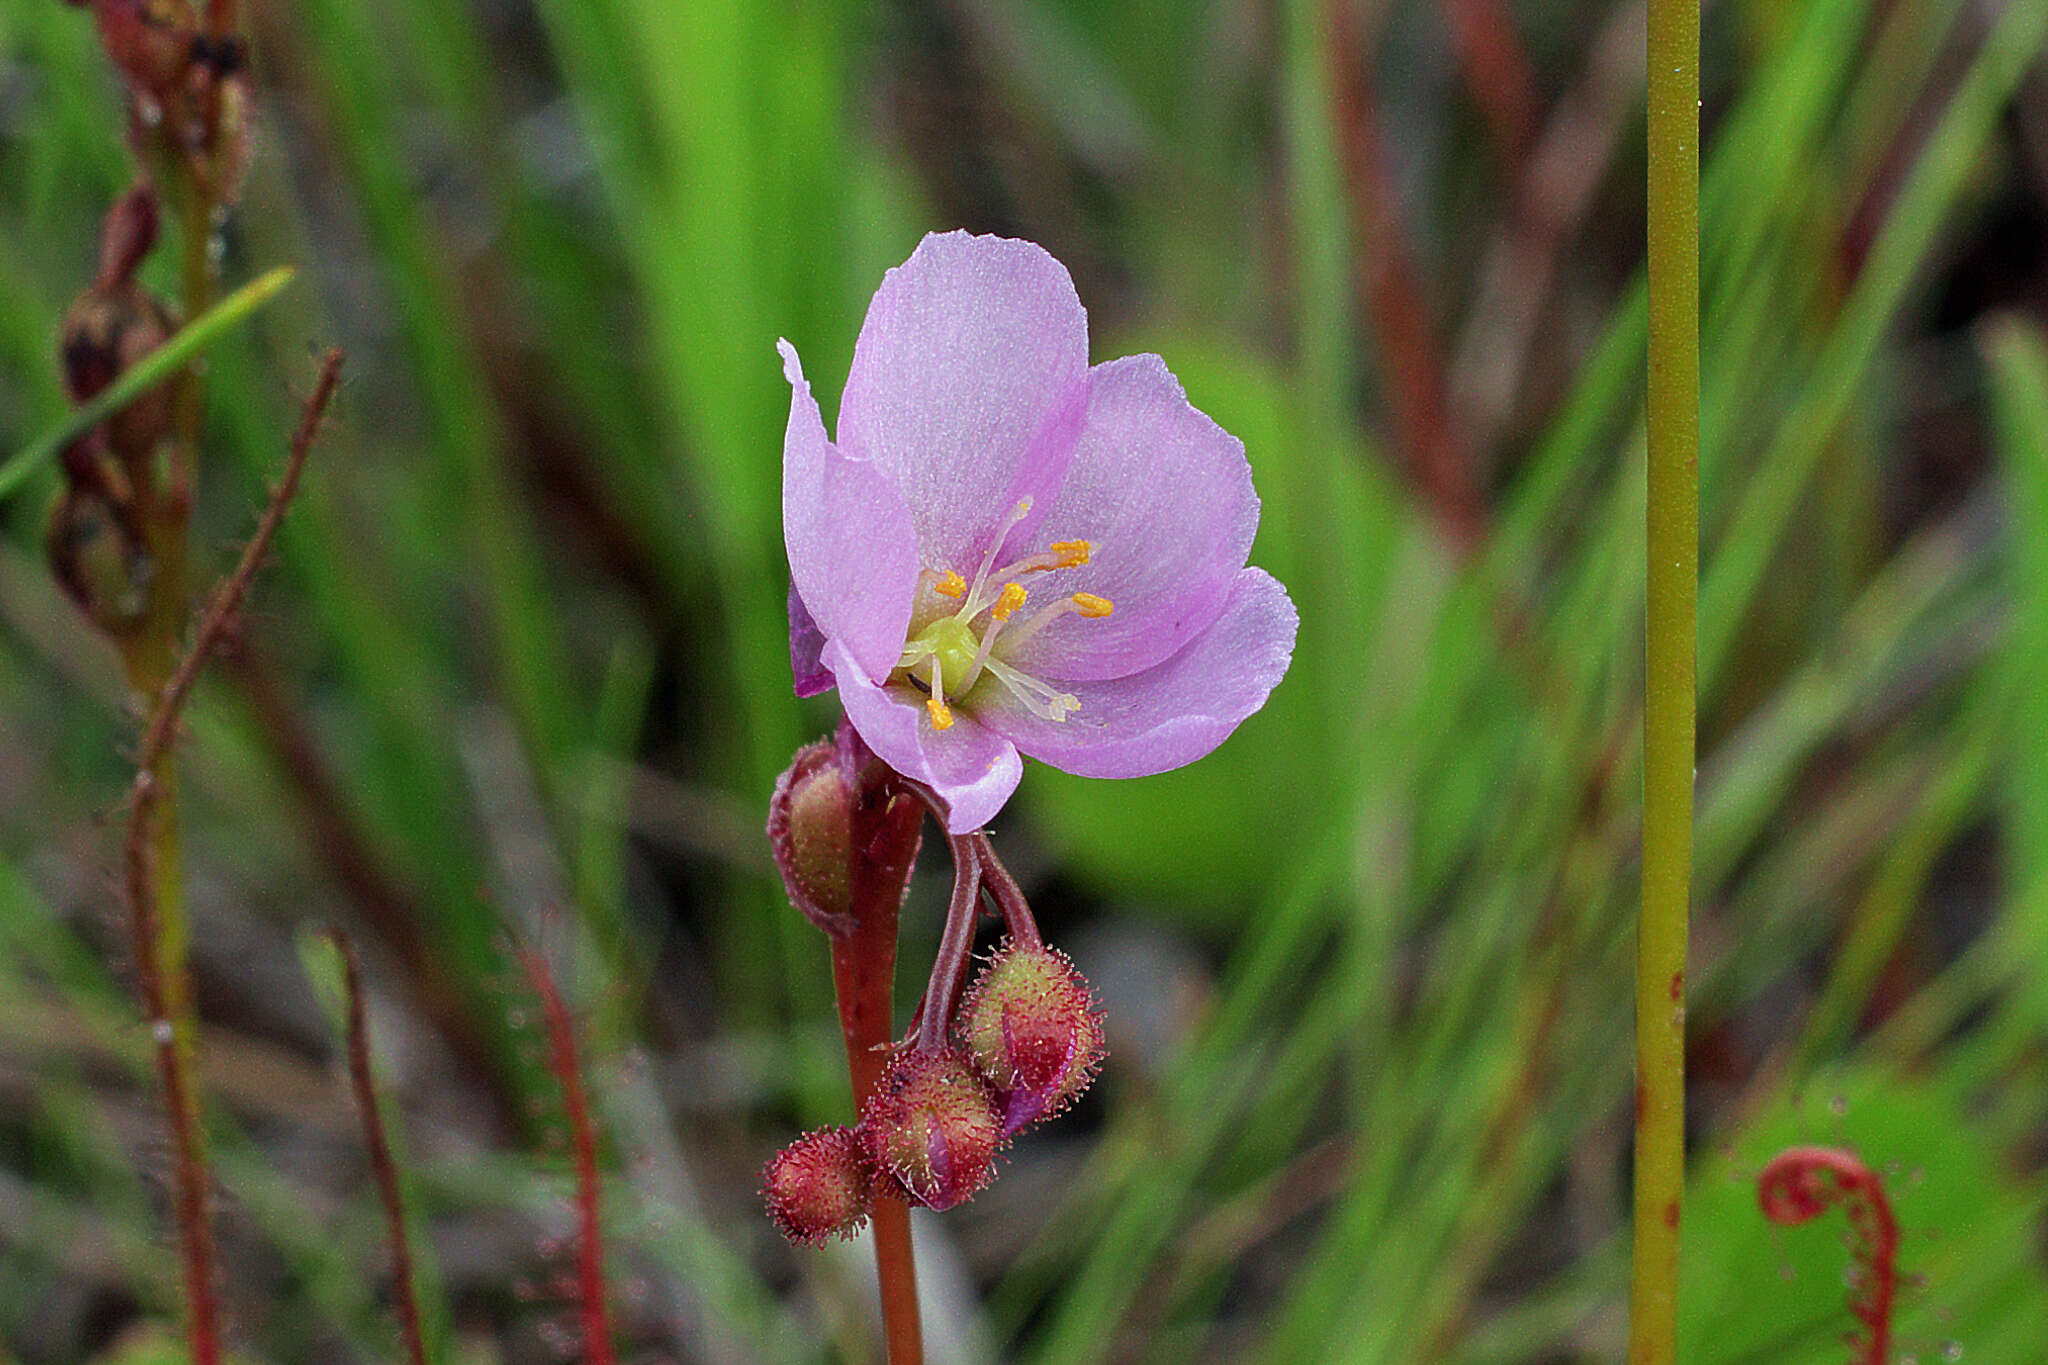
(954, 651)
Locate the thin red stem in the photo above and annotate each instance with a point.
(174, 1058)
(1802, 1183)
(383, 1167)
(160, 732)
(591, 1292)
(956, 947)
(1009, 897)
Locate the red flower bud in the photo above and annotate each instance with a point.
(1031, 1028)
(819, 1187)
(932, 1125)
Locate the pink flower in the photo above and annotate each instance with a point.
(1007, 550)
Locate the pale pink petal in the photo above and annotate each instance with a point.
(1172, 713)
(967, 385)
(972, 770)
(852, 548)
(1165, 496)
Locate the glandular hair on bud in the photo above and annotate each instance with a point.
(1031, 1028)
(932, 1124)
(819, 1187)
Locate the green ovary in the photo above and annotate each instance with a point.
(952, 644)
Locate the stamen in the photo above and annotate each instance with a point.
(1017, 514)
(952, 585)
(1064, 554)
(1006, 606)
(1085, 603)
(1041, 699)
(1093, 607)
(942, 714)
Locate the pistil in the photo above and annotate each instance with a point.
(951, 647)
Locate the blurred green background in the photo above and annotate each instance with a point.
(520, 661)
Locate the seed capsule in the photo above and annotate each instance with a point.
(819, 1187)
(932, 1125)
(1031, 1027)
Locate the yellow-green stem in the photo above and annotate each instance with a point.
(151, 662)
(1668, 700)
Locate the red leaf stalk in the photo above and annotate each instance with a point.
(1802, 1183)
(382, 1166)
(591, 1293)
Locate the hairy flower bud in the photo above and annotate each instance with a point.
(932, 1125)
(1031, 1028)
(810, 827)
(819, 1187)
(844, 832)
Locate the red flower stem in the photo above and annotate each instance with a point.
(863, 978)
(159, 964)
(1799, 1185)
(1009, 897)
(956, 947)
(383, 1167)
(591, 1294)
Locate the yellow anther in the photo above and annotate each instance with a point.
(1072, 554)
(942, 714)
(1012, 598)
(1093, 607)
(952, 585)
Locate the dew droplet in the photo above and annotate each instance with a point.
(163, 1033)
(1951, 1350)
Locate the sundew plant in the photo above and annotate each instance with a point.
(1335, 716)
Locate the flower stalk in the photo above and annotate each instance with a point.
(884, 838)
(1672, 533)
